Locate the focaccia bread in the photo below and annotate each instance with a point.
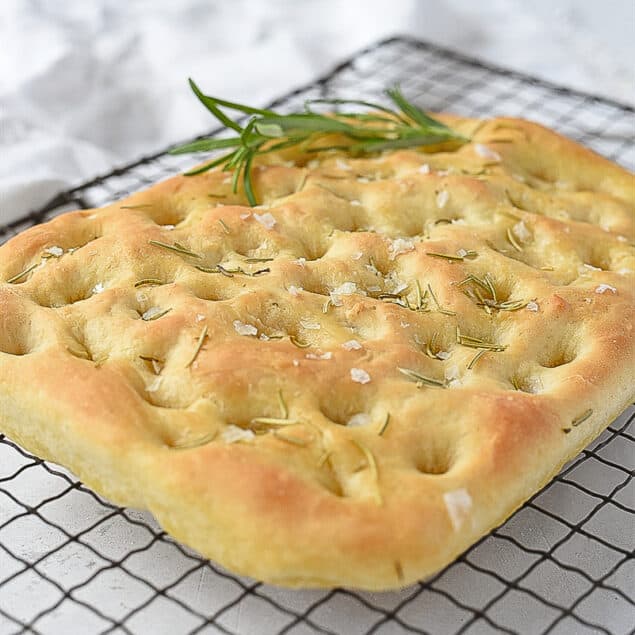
(348, 384)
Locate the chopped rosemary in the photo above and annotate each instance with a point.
(440, 309)
(175, 247)
(399, 571)
(476, 358)
(582, 418)
(223, 224)
(289, 439)
(147, 282)
(420, 379)
(195, 443)
(477, 342)
(384, 425)
(296, 342)
(512, 239)
(274, 421)
(22, 274)
(140, 206)
(254, 260)
(199, 346)
(327, 306)
(283, 405)
(407, 126)
(157, 364)
(461, 255)
(154, 316)
(372, 466)
(444, 256)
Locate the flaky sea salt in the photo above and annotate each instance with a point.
(360, 376)
(98, 288)
(603, 288)
(356, 203)
(55, 251)
(155, 385)
(346, 288)
(360, 419)
(318, 356)
(458, 502)
(294, 291)
(532, 306)
(486, 152)
(424, 169)
(200, 317)
(311, 325)
(442, 355)
(451, 373)
(400, 246)
(266, 220)
(244, 329)
(233, 434)
(342, 165)
(351, 345)
(521, 231)
(245, 215)
(461, 253)
(442, 198)
(300, 261)
(357, 255)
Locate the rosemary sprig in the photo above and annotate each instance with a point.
(404, 126)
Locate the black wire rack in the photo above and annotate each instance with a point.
(71, 562)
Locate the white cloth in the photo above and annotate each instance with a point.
(86, 86)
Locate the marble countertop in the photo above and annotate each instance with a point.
(88, 86)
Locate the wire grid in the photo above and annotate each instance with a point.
(72, 562)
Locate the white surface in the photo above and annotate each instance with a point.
(86, 86)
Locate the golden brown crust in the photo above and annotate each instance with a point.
(541, 232)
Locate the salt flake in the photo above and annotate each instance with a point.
(603, 288)
(244, 329)
(351, 345)
(309, 324)
(155, 385)
(360, 376)
(360, 419)
(342, 165)
(266, 220)
(442, 198)
(55, 251)
(486, 152)
(459, 504)
(400, 246)
(532, 306)
(424, 169)
(294, 291)
(323, 356)
(98, 288)
(233, 434)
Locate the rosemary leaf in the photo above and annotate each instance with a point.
(199, 346)
(421, 379)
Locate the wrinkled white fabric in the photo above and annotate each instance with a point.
(86, 86)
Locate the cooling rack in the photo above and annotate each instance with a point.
(71, 562)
